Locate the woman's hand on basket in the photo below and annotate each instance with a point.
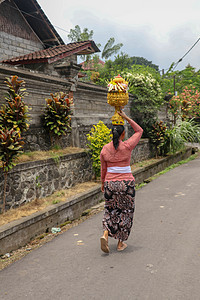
(123, 115)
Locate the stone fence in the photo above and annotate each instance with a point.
(90, 106)
(27, 181)
(37, 179)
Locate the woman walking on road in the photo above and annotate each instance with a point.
(118, 184)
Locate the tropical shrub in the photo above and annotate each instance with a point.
(14, 114)
(185, 131)
(57, 115)
(10, 147)
(186, 104)
(159, 138)
(99, 136)
(147, 99)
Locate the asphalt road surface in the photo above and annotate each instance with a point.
(162, 261)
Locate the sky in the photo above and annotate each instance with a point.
(160, 31)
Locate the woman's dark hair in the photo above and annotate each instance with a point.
(117, 131)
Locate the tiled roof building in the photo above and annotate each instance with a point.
(27, 38)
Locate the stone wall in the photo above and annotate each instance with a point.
(90, 106)
(91, 100)
(16, 37)
(52, 174)
(55, 174)
(142, 151)
(37, 139)
(38, 86)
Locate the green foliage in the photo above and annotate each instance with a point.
(14, 114)
(110, 49)
(13, 121)
(147, 98)
(186, 104)
(99, 136)
(159, 137)
(76, 35)
(171, 140)
(10, 146)
(57, 115)
(178, 80)
(185, 131)
(145, 87)
(123, 64)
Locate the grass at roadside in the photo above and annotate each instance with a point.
(40, 155)
(144, 163)
(192, 157)
(39, 204)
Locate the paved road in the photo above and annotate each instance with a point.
(162, 260)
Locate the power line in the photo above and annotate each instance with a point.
(185, 54)
(30, 15)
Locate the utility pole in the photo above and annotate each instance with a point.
(174, 85)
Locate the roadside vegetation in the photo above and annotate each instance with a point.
(177, 91)
(14, 121)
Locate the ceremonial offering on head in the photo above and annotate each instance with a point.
(117, 96)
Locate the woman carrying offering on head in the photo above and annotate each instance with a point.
(118, 184)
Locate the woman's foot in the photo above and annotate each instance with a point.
(104, 244)
(121, 246)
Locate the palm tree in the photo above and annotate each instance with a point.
(110, 49)
(77, 35)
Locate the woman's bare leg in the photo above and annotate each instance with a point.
(105, 234)
(121, 246)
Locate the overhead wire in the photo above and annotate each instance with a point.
(22, 11)
(176, 64)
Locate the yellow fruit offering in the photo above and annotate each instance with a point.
(117, 96)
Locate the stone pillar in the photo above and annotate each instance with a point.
(75, 133)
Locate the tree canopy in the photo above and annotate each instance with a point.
(178, 80)
(110, 48)
(76, 35)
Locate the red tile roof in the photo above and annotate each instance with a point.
(91, 64)
(55, 53)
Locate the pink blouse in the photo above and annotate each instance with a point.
(119, 158)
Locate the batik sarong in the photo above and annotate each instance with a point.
(119, 208)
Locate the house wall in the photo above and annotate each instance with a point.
(16, 36)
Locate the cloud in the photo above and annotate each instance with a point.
(162, 48)
(163, 33)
